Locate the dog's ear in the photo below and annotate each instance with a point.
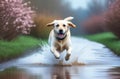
(50, 24)
(71, 24)
(69, 18)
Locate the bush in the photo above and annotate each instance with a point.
(94, 24)
(15, 18)
(41, 30)
(113, 18)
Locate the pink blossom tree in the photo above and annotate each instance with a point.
(15, 18)
(113, 18)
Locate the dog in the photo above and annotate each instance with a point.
(60, 37)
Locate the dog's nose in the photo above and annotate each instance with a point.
(60, 31)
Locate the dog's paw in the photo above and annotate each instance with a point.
(67, 57)
(57, 57)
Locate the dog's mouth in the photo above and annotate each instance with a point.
(60, 35)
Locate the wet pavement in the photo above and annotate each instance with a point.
(89, 60)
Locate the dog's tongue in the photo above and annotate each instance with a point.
(61, 35)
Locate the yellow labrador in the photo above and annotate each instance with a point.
(59, 38)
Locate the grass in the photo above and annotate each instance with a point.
(17, 47)
(107, 39)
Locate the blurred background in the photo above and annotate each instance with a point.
(90, 16)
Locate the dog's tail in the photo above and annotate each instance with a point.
(69, 18)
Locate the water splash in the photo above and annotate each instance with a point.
(84, 52)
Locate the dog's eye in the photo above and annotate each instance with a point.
(57, 25)
(64, 25)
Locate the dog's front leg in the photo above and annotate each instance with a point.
(55, 52)
(68, 54)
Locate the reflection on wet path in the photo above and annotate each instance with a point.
(89, 60)
(60, 72)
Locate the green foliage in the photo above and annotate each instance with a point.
(107, 39)
(17, 47)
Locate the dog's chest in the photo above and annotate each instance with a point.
(61, 46)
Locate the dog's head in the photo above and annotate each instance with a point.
(62, 26)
